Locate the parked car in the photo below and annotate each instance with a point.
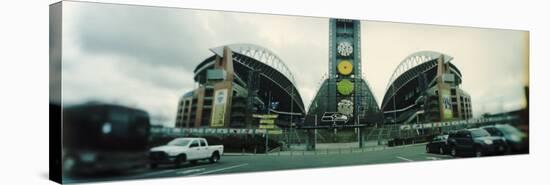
(477, 142)
(181, 150)
(99, 138)
(516, 140)
(438, 145)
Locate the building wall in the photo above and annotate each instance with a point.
(197, 111)
(243, 98)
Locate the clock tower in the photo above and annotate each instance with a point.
(344, 82)
(344, 95)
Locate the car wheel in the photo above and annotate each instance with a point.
(194, 162)
(453, 151)
(441, 151)
(179, 161)
(478, 152)
(508, 150)
(215, 157)
(153, 165)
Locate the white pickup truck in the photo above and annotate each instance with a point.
(181, 150)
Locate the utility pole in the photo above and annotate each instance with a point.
(315, 132)
(291, 111)
(359, 134)
(266, 141)
(394, 108)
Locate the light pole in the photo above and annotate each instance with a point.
(315, 132)
(266, 141)
(291, 111)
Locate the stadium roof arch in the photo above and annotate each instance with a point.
(413, 65)
(271, 66)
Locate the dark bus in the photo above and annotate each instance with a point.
(104, 138)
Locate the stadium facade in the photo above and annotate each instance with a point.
(236, 83)
(344, 94)
(241, 81)
(425, 87)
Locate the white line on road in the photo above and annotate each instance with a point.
(217, 170)
(153, 173)
(190, 171)
(405, 159)
(433, 158)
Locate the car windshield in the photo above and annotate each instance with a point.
(507, 129)
(441, 138)
(179, 142)
(493, 131)
(480, 133)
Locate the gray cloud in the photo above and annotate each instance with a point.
(144, 56)
(157, 36)
(492, 61)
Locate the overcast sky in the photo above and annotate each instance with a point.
(144, 56)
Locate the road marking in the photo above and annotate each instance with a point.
(433, 158)
(217, 170)
(405, 159)
(153, 173)
(190, 171)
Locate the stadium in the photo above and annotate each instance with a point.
(236, 84)
(425, 87)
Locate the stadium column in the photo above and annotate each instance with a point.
(445, 107)
(223, 91)
(200, 104)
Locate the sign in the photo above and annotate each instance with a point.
(334, 117)
(222, 131)
(218, 108)
(265, 116)
(209, 130)
(267, 121)
(196, 130)
(345, 107)
(267, 126)
(274, 105)
(448, 78)
(446, 105)
(275, 132)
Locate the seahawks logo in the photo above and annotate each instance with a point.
(446, 103)
(220, 96)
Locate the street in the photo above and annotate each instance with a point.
(236, 163)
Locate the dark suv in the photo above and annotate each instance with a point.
(438, 145)
(516, 140)
(477, 142)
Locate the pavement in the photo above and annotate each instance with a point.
(234, 163)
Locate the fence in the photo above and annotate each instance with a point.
(300, 139)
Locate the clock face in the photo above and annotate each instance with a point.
(345, 67)
(345, 87)
(345, 49)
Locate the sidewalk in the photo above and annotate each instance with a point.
(324, 151)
